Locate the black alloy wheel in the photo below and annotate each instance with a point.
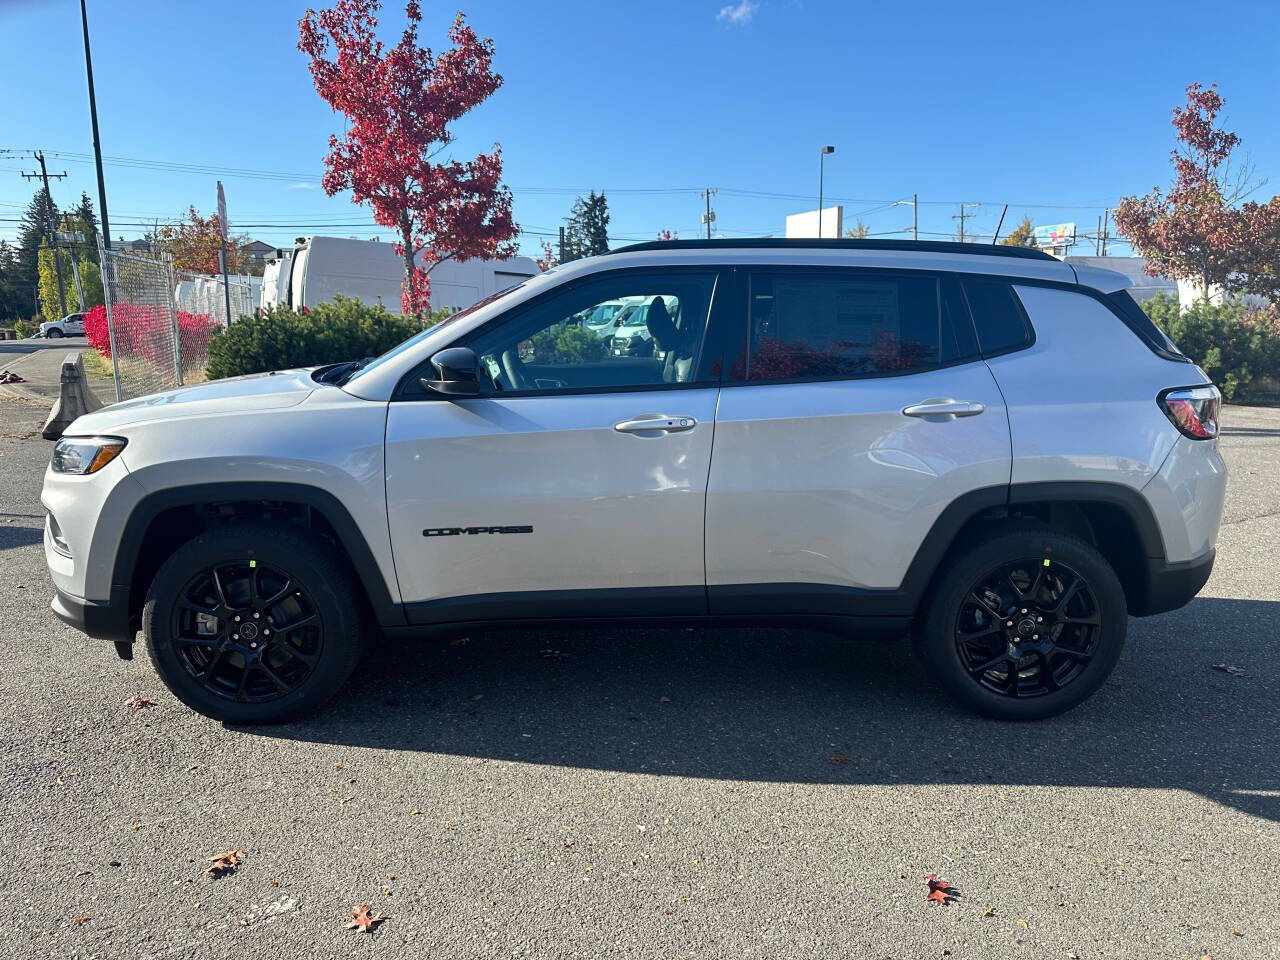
(254, 622)
(1024, 624)
(1028, 628)
(247, 631)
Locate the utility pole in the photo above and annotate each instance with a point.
(52, 228)
(97, 146)
(562, 244)
(915, 217)
(964, 215)
(709, 217)
(1106, 216)
(1097, 239)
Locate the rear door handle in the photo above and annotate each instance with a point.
(943, 409)
(653, 423)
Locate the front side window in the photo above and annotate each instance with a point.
(837, 324)
(629, 330)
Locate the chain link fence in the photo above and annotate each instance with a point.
(159, 323)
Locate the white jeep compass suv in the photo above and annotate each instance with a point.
(983, 447)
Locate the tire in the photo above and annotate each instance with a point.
(54, 334)
(1035, 668)
(269, 576)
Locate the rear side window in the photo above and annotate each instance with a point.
(1136, 319)
(836, 324)
(998, 315)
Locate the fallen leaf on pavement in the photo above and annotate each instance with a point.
(939, 890)
(361, 919)
(1229, 668)
(989, 912)
(140, 703)
(224, 863)
(1023, 924)
(80, 920)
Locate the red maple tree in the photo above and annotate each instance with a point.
(548, 258)
(399, 103)
(195, 242)
(1199, 230)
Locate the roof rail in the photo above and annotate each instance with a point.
(843, 243)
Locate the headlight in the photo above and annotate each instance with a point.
(82, 455)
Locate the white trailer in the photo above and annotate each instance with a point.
(370, 271)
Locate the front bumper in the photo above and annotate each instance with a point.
(102, 621)
(1169, 586)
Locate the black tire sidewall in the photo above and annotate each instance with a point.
(300, 555)
(936, 640)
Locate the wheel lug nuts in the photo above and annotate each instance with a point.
(1039, 619)
(256, 614)
(1035, 636)
(236, 618)
(235, 636)
(1024, 609)
(253, 646)
(266, 633)
(1009, 623)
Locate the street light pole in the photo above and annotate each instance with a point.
(93, 116)
(822, 158)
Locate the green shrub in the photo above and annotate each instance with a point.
(22, 329)
(568, 344)
(1236, 345)
(328, 333)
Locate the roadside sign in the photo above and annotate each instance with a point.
(222, 212)
(1055, 235)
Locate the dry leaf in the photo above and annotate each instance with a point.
(80, 920)
(224, 863)
(939, 890)
(668, 911)
(1023, 924)
(989, 912)
(361, 919)
(140, 703)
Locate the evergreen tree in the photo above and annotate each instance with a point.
(588, 232)
(37, 223)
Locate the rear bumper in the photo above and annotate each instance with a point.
(102, 621)
(1172, 585)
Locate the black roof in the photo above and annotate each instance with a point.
(843, 243)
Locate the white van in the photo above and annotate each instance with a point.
(372, 272)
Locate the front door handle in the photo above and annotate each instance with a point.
(654, 424)
(942, 408)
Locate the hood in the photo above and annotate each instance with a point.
(258, 391)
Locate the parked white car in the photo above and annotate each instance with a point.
(72, 325)
(983, 447)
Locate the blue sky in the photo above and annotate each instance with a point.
(1058, 110)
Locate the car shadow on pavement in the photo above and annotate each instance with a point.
(15, 536)
(793, 706)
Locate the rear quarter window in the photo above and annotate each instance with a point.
(1135, 318)
(998, 315)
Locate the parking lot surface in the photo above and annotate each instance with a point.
(651, 793)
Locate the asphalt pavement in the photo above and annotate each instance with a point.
(651, 793)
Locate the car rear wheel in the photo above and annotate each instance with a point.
(253, 623)
(1024, 625)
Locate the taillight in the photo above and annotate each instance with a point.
(1193, 410)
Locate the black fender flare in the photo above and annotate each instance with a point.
(388, 612)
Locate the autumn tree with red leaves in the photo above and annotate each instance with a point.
(399, 103)
(548, 258)
(1200, 230)
(195, 242)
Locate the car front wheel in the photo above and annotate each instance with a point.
(54, 333)
(253, 623)
(1024, 625)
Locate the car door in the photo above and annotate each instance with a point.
(75, 323)
(856, 411)
(575, 484)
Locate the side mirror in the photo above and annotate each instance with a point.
(457, 372)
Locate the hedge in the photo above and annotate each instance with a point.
(282, 338)
(1235, 344)
(147, 332)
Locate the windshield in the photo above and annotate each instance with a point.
(419, 337)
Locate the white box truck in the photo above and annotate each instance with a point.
(372, 272)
